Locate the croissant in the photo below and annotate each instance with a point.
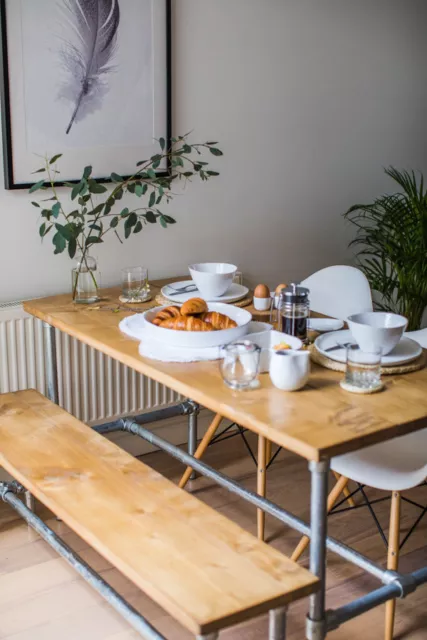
(165, 314)
(194, 306)
(186, 323)
(218, 320)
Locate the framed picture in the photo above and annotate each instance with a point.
(89, 79)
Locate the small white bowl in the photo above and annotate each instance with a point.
(262, 304)
(267, 340)
(212, 279)
(377, 331)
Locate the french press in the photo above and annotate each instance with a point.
(294, 310)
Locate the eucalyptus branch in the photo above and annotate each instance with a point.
(84, 225)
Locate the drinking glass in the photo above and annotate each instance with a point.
(363, 368)
(240, 364)
(135, 284)
(238, 278)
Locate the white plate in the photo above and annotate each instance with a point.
(267, 340)
(236, 292)
(323, 325)
(140, 327)
(406, 351)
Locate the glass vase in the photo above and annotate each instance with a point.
(85, 280)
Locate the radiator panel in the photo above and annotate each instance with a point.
(92, 386)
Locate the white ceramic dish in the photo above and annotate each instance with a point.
(212, 279)
(236, 292)
(267, 340)
(262, 304)
(324, 325)
(259, 327)
(406, 351)
(377, 331)
(194, 339)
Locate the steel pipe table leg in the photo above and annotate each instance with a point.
(193, 415)
(277, 625)
(316, 623)
(30, 501)
(51, 363)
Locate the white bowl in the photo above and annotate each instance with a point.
(267, 340)
(377, 331)
(196, 339)
(212, 279)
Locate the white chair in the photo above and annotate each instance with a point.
(339, 291)
(418, 336)
(394, 466)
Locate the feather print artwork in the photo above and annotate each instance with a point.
(87, 53)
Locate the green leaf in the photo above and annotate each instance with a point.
(186, 148)
(128, 231)
(216, 152)
(42, 229)
(131, 187)
(169, 219)
(114, 222)
(59, 243)
(131, 220)
(139, 190)
(152, 200)
(95, 227)
(210, 144)
(212, 173)
(97, 210)
(77, 189)
(87, 172)
(72, 248)
(94, 240)
(125, 213)
(42, 170)
(138, 227)
(55, 158)
(151, 174)
(116, 178)
(37, 186)
(65, 231)
(35, 204)
(162, 143)
(95, 187)
(56, 209)
(163, 222)
(151, 217)
(119, 194)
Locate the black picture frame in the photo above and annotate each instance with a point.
(6, 117)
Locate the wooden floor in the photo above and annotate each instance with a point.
(42, 599)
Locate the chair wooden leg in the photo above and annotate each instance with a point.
(332, 498)
(393, 559)
(346, 491)
(261, 483)
(204, 443)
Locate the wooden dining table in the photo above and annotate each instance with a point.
(317, 423)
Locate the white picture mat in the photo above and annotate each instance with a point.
(111, 140)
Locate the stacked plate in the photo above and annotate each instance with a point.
(180, 292)
(333, 345)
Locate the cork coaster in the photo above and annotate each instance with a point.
(323, 361)
(352, 389)
(162, 301)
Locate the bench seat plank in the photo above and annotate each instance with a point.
(203, 569)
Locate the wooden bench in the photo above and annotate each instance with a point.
(200, 567)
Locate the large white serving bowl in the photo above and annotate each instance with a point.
(212, 279)
(195, 339)
(376, 330)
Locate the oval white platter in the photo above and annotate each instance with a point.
(236, 292)
(406, 351)
(141, 327)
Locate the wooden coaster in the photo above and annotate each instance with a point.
(162, 301)
(326, 362)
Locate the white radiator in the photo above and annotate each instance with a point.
(92, 386)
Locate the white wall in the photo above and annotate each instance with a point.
(309, 98)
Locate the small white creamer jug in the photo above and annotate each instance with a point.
(290, 370)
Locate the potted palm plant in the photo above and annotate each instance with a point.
(391, 242)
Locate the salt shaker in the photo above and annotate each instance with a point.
(294, 311)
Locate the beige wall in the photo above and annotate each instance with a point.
(309, 98)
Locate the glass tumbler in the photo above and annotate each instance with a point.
(363, 368)
(240, 364)
(135, 284)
